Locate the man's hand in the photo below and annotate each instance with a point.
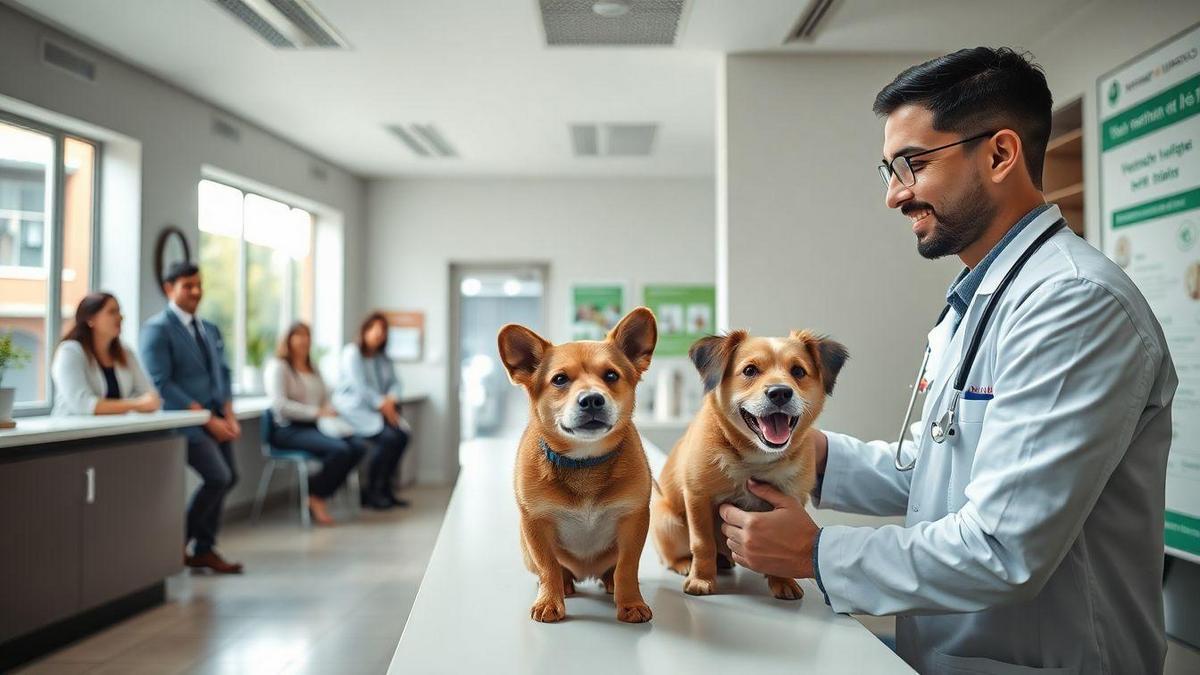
(219, 429)
(231, 420)
(777, 542)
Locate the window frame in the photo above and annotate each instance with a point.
(239, 361)
(56, 227)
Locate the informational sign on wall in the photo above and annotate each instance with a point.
(685, 314)
(595, 310)
(1149, 114)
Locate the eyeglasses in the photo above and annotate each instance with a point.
(902, 169)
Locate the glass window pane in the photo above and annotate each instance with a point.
(267, 278)
(26, 160)
(79, 181)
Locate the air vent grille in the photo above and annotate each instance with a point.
(285, 24)
(60, 57)
(425, 140)
(810, 20)
(613, 140)
(226, 130)
(644, 23)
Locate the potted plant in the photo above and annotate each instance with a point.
(257, 349)
(11, 356)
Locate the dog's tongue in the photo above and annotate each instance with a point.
(775, 428)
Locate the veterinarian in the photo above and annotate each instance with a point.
(1033, 486)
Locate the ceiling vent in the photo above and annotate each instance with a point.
(226, 130)
(608, 23)
(70, 61)
(425, 140)
(810, 20)
(613, 140)
(285, 24)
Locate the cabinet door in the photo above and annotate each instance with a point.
(133, 525)
(40, 500)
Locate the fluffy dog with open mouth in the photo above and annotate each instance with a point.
(762, 397)
(582, 479)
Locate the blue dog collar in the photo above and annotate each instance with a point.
(564, 462)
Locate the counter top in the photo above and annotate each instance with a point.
(247, 407)
(55, 429)
(471, 613)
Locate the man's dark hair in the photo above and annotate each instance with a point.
(974, 90)
(178, 269)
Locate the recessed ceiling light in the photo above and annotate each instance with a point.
(611, 9)
(512, 287)
(471, 286)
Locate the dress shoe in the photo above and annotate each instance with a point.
(213, 561)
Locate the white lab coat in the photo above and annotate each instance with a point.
(1033, 539)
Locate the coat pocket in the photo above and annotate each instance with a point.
(945, 664)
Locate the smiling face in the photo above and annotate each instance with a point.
(581, 392)
(949, 206)
(767, 388)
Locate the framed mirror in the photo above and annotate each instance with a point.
(172, 247)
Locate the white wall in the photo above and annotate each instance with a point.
(1095, 40)
(637, 230)
(810, 242)
(174, 130)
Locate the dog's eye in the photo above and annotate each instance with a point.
(750, 371)
(798, 372)
(611, 376)
(560, 380)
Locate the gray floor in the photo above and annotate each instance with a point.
(329, 600)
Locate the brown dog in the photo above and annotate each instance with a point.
(582, 479)
(762, 396)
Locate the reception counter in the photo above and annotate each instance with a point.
(91, 511)
(471, 613)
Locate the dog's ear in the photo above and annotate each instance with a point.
(635, 336)
(829, 356)
(711, 356)
(521, 351)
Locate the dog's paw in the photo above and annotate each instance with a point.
(785, 589)
(568, 588)
(548, 610)
(634, 612)
(609, 586)
(697, 586)
(682, 567)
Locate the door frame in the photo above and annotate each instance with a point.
(457, 270)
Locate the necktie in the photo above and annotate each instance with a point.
(202, 344)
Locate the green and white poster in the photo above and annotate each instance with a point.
(1149, 113)
(685, 314)
(595, 309)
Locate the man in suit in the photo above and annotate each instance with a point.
(185, 357)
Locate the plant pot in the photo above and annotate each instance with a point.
(7, 395)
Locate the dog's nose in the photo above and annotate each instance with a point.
(779, 394)
(591, 401)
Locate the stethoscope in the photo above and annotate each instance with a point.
(947, 425)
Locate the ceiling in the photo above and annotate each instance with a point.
(481, 72)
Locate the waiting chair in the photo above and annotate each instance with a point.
(298, 458)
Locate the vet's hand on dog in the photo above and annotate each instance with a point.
(778, 542)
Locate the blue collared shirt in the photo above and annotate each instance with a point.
(963, 289)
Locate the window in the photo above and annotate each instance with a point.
(257, 263)
(47, 208)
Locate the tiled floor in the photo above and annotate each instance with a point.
(329, 600)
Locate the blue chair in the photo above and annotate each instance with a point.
(298, 458)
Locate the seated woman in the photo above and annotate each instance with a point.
(298, 400)
(368, 397)
(94, 373)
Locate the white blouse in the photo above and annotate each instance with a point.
(295, 396)
(79, 381)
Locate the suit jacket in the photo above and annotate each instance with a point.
(177, 365)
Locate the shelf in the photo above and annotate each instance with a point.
(1070, 197)
(1069, 143)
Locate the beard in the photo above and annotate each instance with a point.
(957, 226)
